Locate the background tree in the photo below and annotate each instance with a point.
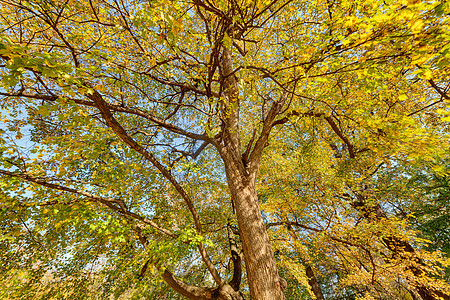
(430, 215)
(146, 123)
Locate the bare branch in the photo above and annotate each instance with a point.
(439, 90)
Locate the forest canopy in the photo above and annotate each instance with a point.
(224, 149)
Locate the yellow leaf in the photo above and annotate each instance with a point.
(427, 74)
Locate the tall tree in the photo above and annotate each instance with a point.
(148, 120)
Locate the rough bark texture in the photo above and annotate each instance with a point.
(226, 292)
(260, 264)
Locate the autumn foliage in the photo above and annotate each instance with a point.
(224, 149)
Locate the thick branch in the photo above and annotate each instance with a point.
(118, 108)
(235, 282)
(313, 283)
(329, 120)
(341, 136)
(439, 90)
(120, 131)
(312, 280)
(188, 291)
(261, 142)
(230, 105)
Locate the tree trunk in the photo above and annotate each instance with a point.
(262, 274)
(263, 279)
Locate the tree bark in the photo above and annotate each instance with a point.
(235, 282)
(224, 292)
(313, 283)
(262, 274)
(263, 279)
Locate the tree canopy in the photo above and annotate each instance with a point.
(218, 149)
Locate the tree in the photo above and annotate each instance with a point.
(431, 214)
(149, 121)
